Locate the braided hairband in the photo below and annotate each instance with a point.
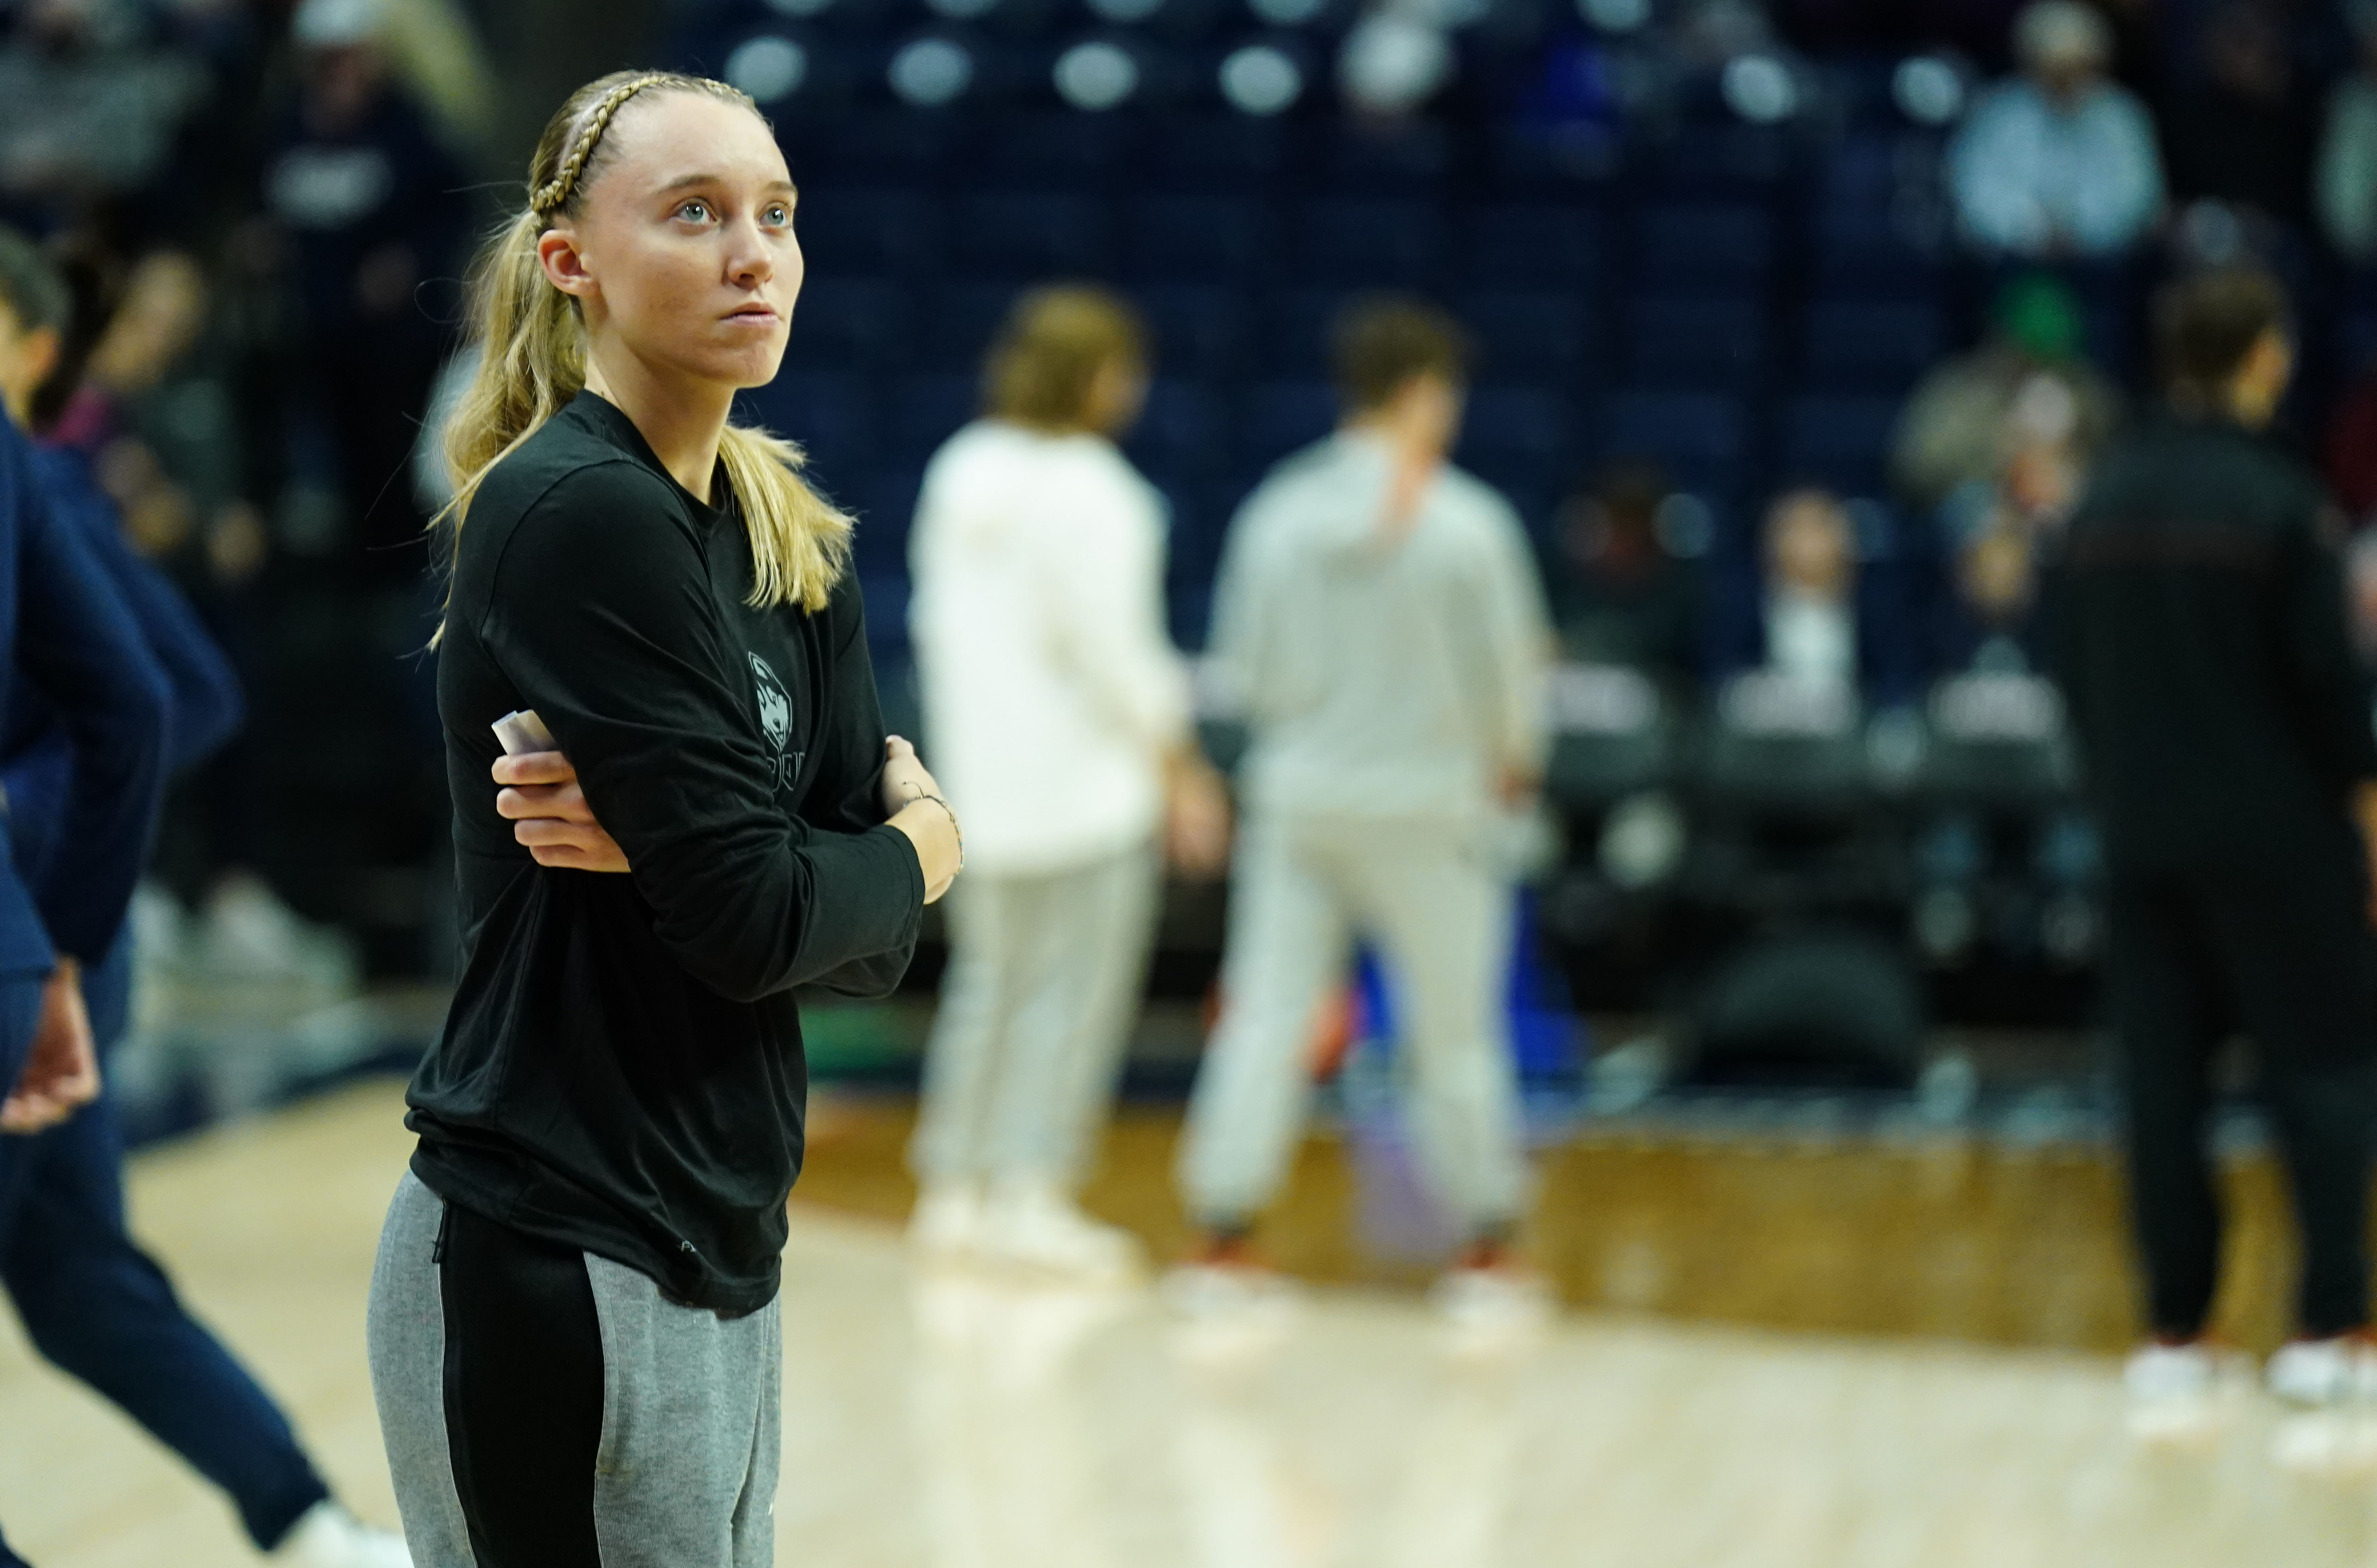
(558, 190)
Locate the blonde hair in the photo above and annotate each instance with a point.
(1048, 355)
(532, 341)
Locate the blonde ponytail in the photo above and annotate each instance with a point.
(532, 344)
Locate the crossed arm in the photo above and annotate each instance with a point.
(539, 795)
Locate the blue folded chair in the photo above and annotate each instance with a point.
(1532, 245)
(870, 233)
(1840, 441)
(832, 413)
(1029, 235)
(1717, 247)
(1540, 336)
(1197, 239)
(850, 323)
(1694, 344)
(1201, 329)
(1875, 346)
(1368, 243)
(1701, 438)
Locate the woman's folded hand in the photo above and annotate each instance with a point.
(541, 798)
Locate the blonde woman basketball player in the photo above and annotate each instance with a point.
(573, 1324)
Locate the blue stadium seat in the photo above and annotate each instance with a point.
(1030, 236)
(1840, 441)
(1694, 344)
(1565, 163)
(1197, 239)
(1222, 153)
(1292, 332)
(1055, 147)
(1869, 346)
(1875, 255)
(1277, 417)
(960, 319)
(922, 411)
(1521, 440)
(1401, 156)
(1720, 160)
(832, 413)
(1199, 329)
(1535, 246)
(870, 233)
(850, 323)
(1703, 439)
(875, 146)
(1550, 338)
(1715, 246)
(884, 502)
(1182, 439)
(1379, 242)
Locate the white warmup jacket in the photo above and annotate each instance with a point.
(1051, 689)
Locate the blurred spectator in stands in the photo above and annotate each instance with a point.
(2024, 405)
(2059, 161)
(1989, 627)
(2360, 591)
(1811, 611)
(2348, 158)
(372, 207)
(88, 105)
(1808, 613)
(2242, 135)
(2352, 446)
(1621, 594)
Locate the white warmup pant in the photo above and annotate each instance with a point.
(1440, 916)
(1043, 986)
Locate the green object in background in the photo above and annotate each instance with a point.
(2037, 313)
(864, 1040)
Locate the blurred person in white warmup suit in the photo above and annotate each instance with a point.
(1062, 712)
(1380, 617)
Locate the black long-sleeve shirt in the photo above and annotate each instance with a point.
(2197, 620)
(622, 1069)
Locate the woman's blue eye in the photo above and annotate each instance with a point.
(696, 209)
(780, 215)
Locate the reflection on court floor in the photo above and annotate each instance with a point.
(949, 1420)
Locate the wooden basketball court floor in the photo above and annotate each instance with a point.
(953, 1422)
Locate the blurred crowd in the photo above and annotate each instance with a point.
(266, 207)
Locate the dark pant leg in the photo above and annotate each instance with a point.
(97, 1306)
(2301, 960)
(20, 1012)
(523, 1393)
(2167, 1019)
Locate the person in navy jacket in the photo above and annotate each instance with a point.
(93, 1304)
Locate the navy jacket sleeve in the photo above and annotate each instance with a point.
(602, 616)
(79, 646)
(206, 705)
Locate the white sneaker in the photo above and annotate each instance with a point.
(946, 1224)
(327, 1536)
(2317, 1373)
(250, 934)
(1493, 1304)
(1034, 1226)
(2172, 1390)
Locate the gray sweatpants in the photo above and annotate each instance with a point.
(1419, 889)
(685, 1473)
(1043, 986)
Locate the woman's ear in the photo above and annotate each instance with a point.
(556, 248)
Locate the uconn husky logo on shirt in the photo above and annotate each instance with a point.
(775, 717)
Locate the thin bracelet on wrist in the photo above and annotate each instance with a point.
(950, 811)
